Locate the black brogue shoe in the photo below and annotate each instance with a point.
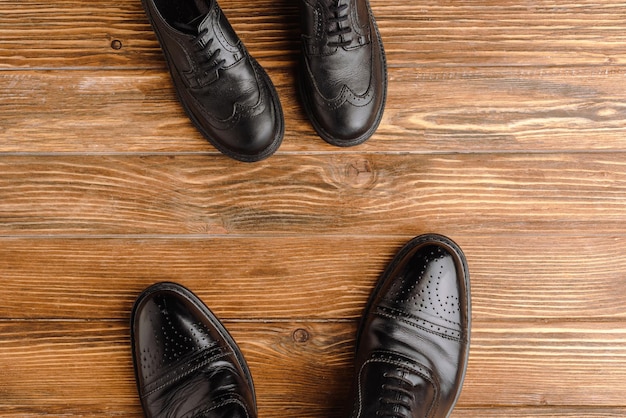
(413, 341)
(186, 363)
(227, 95)
(343, 75)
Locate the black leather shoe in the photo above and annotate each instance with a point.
(343, 76)
(413, 342)
(226, 93)
(186, 363)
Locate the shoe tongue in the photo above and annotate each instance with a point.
(194, 26)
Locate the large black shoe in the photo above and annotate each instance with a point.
(413, 342)
(186, 363)
(226, 93)
(343, 76)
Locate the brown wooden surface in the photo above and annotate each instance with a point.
(505, 129)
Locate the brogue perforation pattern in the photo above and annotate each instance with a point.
(421, 290)
(171, 345)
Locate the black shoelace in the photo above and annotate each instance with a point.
(398, 396)
(209, 61)
(338, 16)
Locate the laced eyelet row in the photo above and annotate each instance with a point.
(393, 405)
(339, 16)
(211, 63)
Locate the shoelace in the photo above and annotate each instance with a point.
(212, 63)
(339, 16)
(398, 396)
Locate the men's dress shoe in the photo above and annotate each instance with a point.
(413, 341)
(225, 92)
(343, 76)
(186, 363)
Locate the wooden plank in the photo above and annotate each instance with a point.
(428, 111)
(181, 195)
(70, 34)
(546, 363)
(518, 109)
(532, 412)
(502, 33)
(84, 368)
(513, 276)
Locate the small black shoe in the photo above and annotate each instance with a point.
(186, 363)
(413, 341)
(225, 92)
(343, 75)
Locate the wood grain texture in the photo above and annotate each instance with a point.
(70, 33)
(429, 110)
(182, 194)
(321, 278)
(552, 365)
(505, 129)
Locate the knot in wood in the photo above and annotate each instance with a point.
(300, 335)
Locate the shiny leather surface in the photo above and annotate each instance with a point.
(227, 95)
(413, 342)
(186, 363)
(343, 76)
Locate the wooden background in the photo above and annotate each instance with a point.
(505, 130)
